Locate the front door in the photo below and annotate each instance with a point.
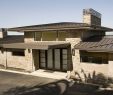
(53, 59)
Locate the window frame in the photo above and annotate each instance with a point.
(18, 53)
(93, 59)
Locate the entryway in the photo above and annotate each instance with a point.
(53, 59)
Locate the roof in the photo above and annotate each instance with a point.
(59, 26)
(17, 42)
(12, 39)
(36, 45)
(97, 43)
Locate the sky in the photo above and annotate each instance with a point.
(14, 13)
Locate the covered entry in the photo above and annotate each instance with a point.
(53, 59)
(46, 55)
(52, 56)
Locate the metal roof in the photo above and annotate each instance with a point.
(59, 26)
(36, 45)
(103, 44)
(12, 39)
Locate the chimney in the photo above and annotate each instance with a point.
(91, 17)
(3, 32)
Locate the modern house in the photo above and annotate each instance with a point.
(65, 46)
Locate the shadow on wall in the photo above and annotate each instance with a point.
(90, 84)
(94, 78)
(55, 88)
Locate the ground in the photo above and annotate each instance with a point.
(19, 84)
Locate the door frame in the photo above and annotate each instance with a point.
(53, 58)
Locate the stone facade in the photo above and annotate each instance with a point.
(30, 62)
(9, 61)
(110, 66)
(3, 58)
(91, 17)
(75, 60)
(29, 37)
(3, 33)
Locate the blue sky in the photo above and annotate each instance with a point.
(30, 12)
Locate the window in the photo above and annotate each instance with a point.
(62, 35)
(18, 53)
(49, 36)
(91, 59)
(37, 36)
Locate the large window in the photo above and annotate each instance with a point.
(37, 36)
(49, 36)
(18, 53)
(62, 35)
(53, 59)
(92, 59)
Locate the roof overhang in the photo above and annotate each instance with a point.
(91, 48)
(36, 45)
(96, 50)
(59, 26)
(96, 44)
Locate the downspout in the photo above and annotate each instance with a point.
(6, 60)
(32, 60)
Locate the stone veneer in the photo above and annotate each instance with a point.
(16, 62)
(76, 56)
(29, 37)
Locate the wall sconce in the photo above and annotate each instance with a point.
(73, 52)
(29, 51)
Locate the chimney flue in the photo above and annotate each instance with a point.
(91, 17)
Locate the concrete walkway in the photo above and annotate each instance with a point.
(50, 74)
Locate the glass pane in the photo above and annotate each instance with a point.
(64, 67)
(64, 51)
(65, 56)
(42, 59)
(49, 36)
(38, 36)
(50, 59)
(57, 59)
(42, 65)
(62, 35)
(65, 62)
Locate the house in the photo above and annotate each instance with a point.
(64, 46)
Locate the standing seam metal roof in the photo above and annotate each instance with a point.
(101, 44)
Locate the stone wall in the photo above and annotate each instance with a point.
(16, 62)
(2, 58)
(3, 33)
(29, 37)
(110, 67)
(75, 53)
(89, 68)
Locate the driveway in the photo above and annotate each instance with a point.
(20, 84)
